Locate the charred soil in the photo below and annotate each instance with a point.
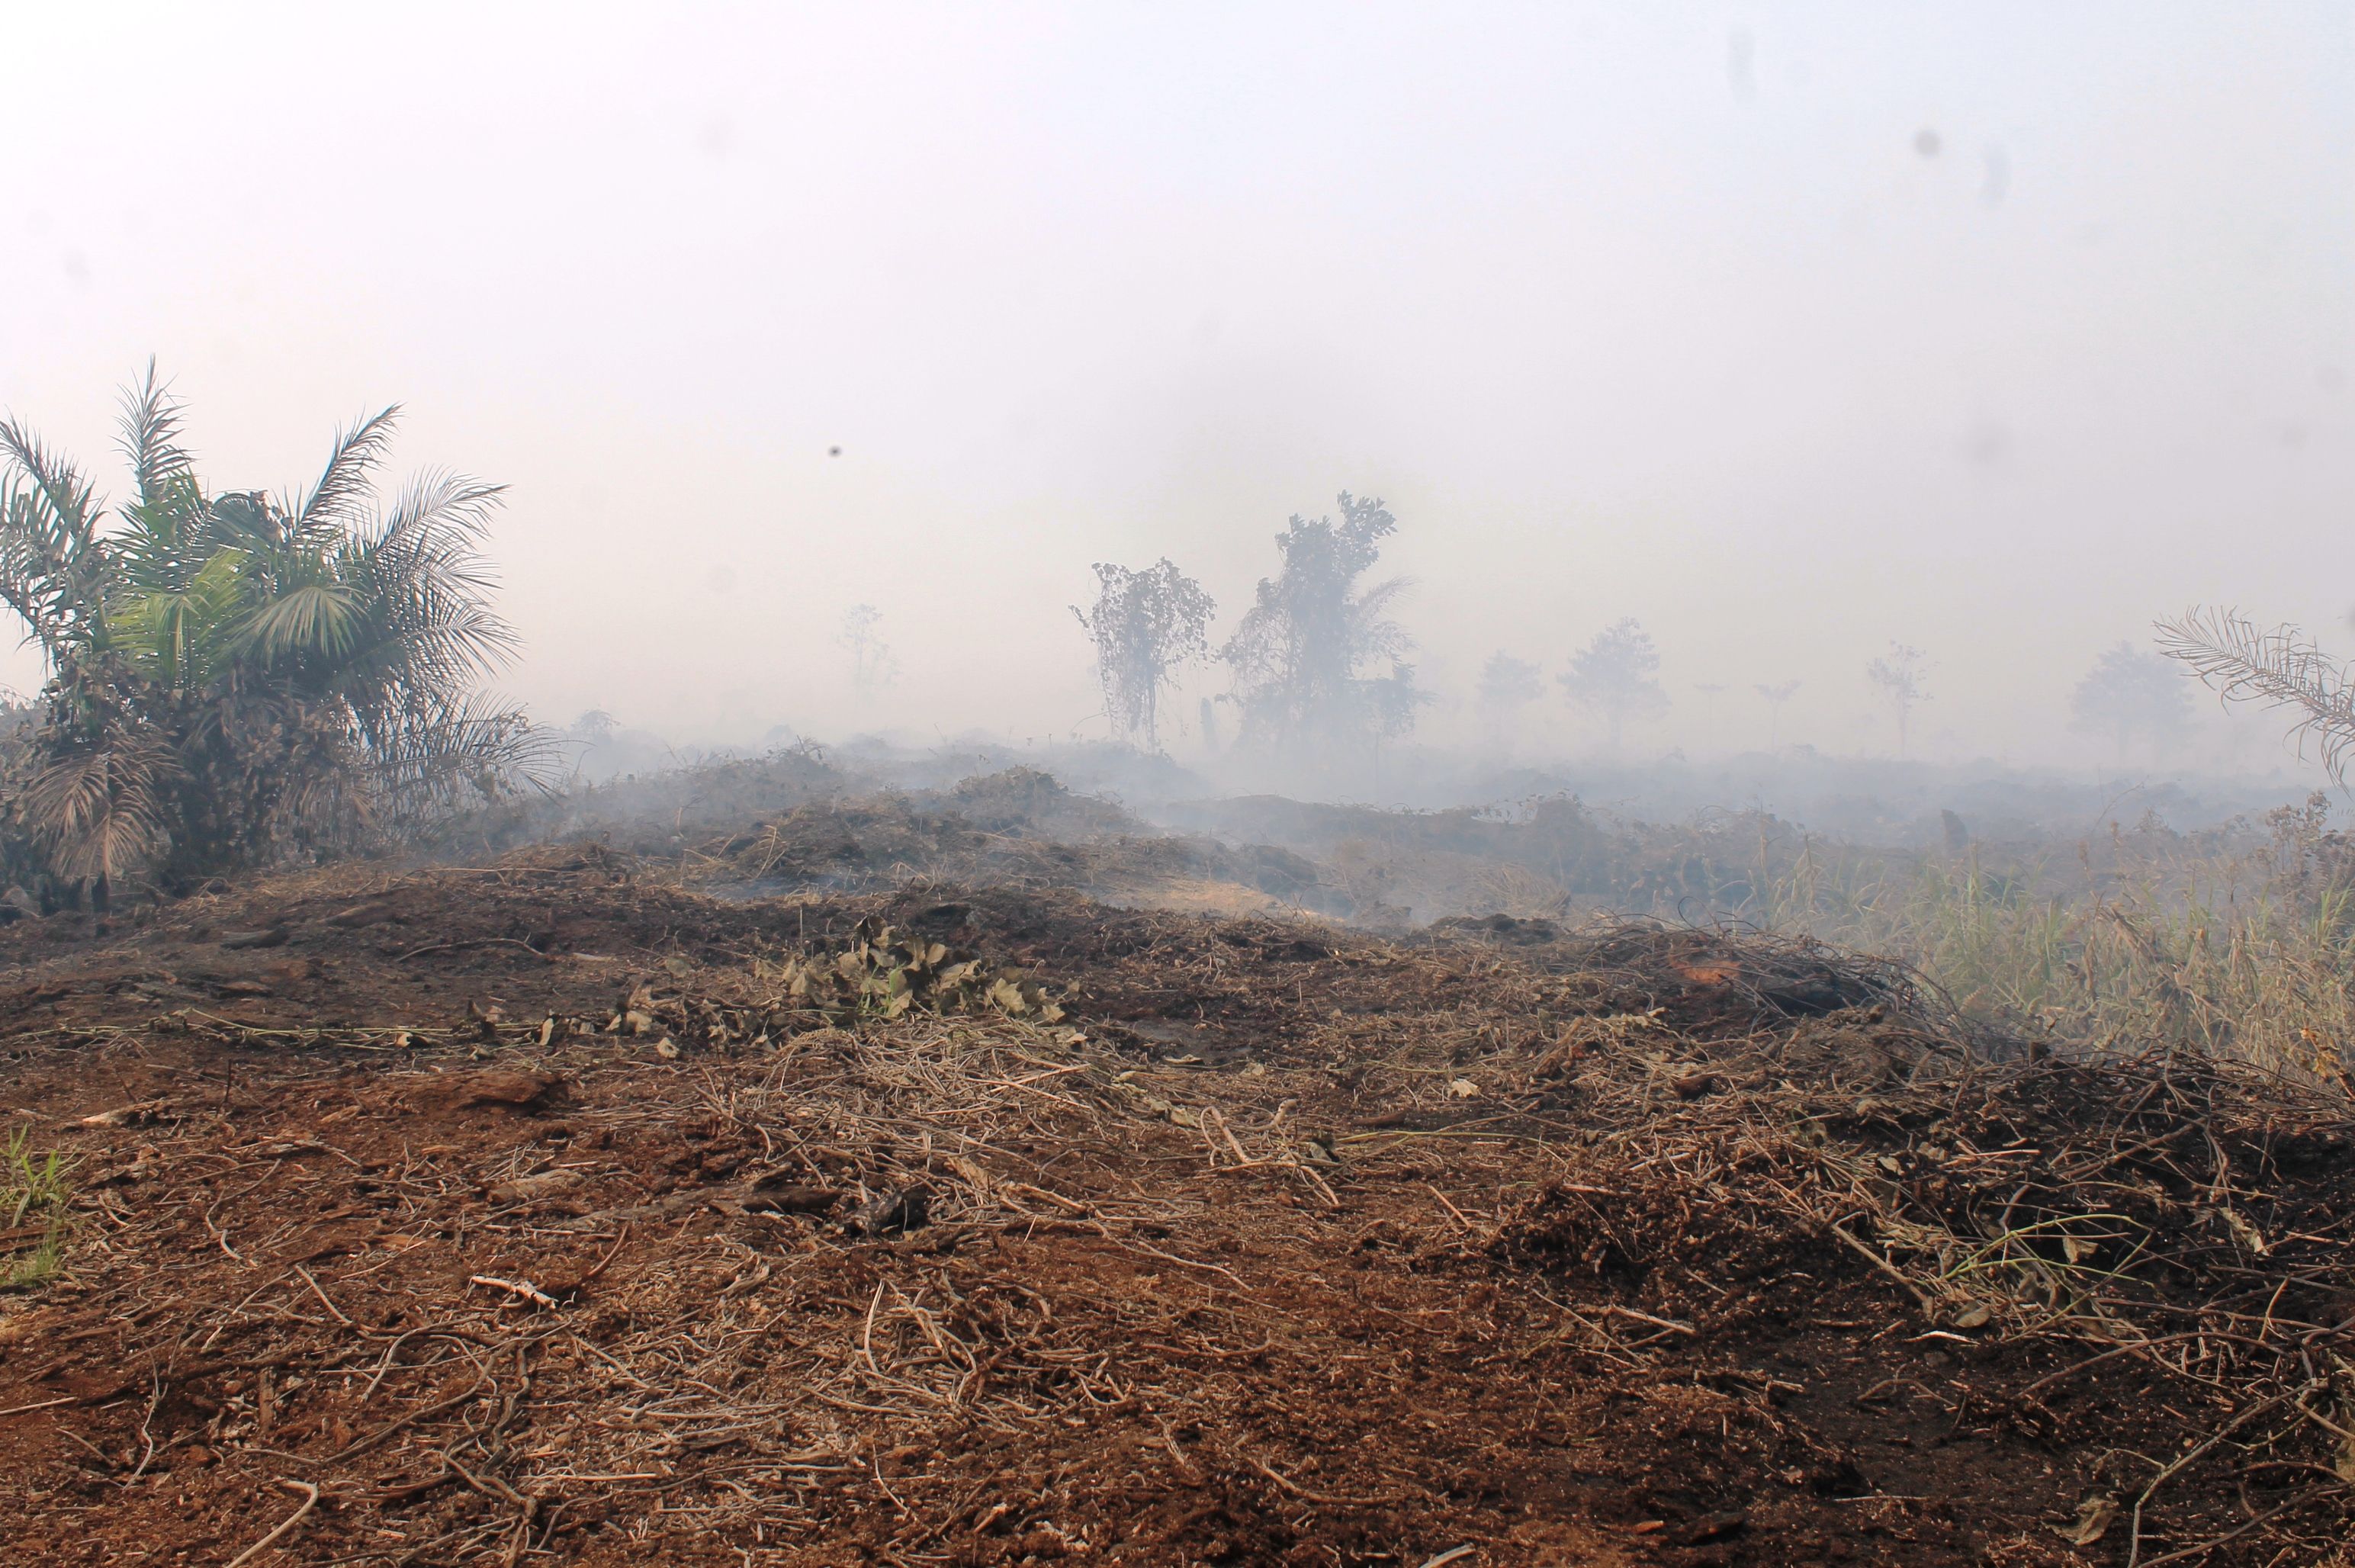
(548, 1211)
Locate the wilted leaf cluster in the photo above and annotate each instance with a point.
(885, 975)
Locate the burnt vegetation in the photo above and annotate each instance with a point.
(818, 1157)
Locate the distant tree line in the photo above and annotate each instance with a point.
(1318, 667)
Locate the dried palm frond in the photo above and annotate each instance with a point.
(104, 810)
(438, 756)
(2282, 669)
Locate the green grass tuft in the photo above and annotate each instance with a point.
(33, 1193)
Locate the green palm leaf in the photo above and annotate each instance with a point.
(150, 439)
(345, 488)
(52, 564)
(316, 622)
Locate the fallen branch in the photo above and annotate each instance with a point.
(517, 1287)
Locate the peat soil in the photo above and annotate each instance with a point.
(545, 1210)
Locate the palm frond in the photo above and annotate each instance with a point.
(150, 439)
(52, 562)
(321, 620)
(161, 544)
(344, 486)
(2281, 668)
(451, 507)
(437, 756)
(69, 497)
(425, 585)
(179, 635)
(100, 810)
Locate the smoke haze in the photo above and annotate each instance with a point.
(1789, 331)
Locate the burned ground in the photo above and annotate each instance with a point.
(547, 1209)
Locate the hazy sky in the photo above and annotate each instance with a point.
(1789, 329)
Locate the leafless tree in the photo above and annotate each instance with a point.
(1145, 625)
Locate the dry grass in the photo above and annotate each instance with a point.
(2237, 942)
(2240, 948)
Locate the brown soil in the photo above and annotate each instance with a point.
(522, 1214)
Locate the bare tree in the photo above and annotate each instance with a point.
(2130, 695)
(1300, 653)
(1144, 626)
(1616, 677)
(1508, 686)
(872, 666)
(1775, 697)
(2280, 668)
(1897, 678)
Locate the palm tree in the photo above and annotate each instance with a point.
(236, 676)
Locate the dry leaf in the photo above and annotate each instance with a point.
(1708, 971)
(2095, 1516)
(531, 1188)
(2248, 1235)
